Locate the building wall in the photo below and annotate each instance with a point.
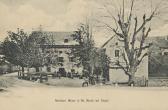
(59, 58)
(117, 74)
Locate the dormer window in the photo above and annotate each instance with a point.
(65, 40)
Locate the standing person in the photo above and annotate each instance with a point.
(59, 75)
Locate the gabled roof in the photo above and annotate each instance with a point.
(159, 41)
(57, 38)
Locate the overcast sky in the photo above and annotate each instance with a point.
(62, 15)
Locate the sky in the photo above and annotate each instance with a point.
(66, 15)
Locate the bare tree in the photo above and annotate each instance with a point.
(128, 28)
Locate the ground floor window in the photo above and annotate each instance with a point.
(48, 69)
(37, 69)
(60, 59)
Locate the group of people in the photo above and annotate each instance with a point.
(71, 74)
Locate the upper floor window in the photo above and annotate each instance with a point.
(60, 52)
(165, 53)
(117, 53)
(71, 59)
(65, 40)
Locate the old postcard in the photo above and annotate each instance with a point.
(83, 54)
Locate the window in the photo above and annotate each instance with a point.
(72, 70)
(42, 50)
(71, 59)
(47, 51)
(55, 55)
(116, 43)
(165, 53)
(37, 69)
(48, 69)
(117, 53)
(60, 52)
(56, 51)
(65, 40)
(60, 59)
(48, 59)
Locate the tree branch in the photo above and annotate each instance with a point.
(145, 20)
(144, 36)
(107, 25)
(123, 68)
(111, 15)
(139, 61)
(125, 59)
(119, 34)
(130, 15)
(134, 33)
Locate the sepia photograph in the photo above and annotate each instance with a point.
(83, 54)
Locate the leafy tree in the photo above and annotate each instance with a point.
(90, 57)
(23, 49)
(100, 62)
(84, 37)
(36, 39)
(16, 49)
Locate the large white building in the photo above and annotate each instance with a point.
(57, 53)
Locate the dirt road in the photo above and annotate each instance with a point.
(25, 95)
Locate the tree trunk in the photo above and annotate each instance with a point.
(28, 70)
(131, 80)
(22, 69)
(132, 76)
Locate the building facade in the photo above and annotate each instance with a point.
(57, 53)
(114, 49)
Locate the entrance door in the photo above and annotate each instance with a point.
(62, 72)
